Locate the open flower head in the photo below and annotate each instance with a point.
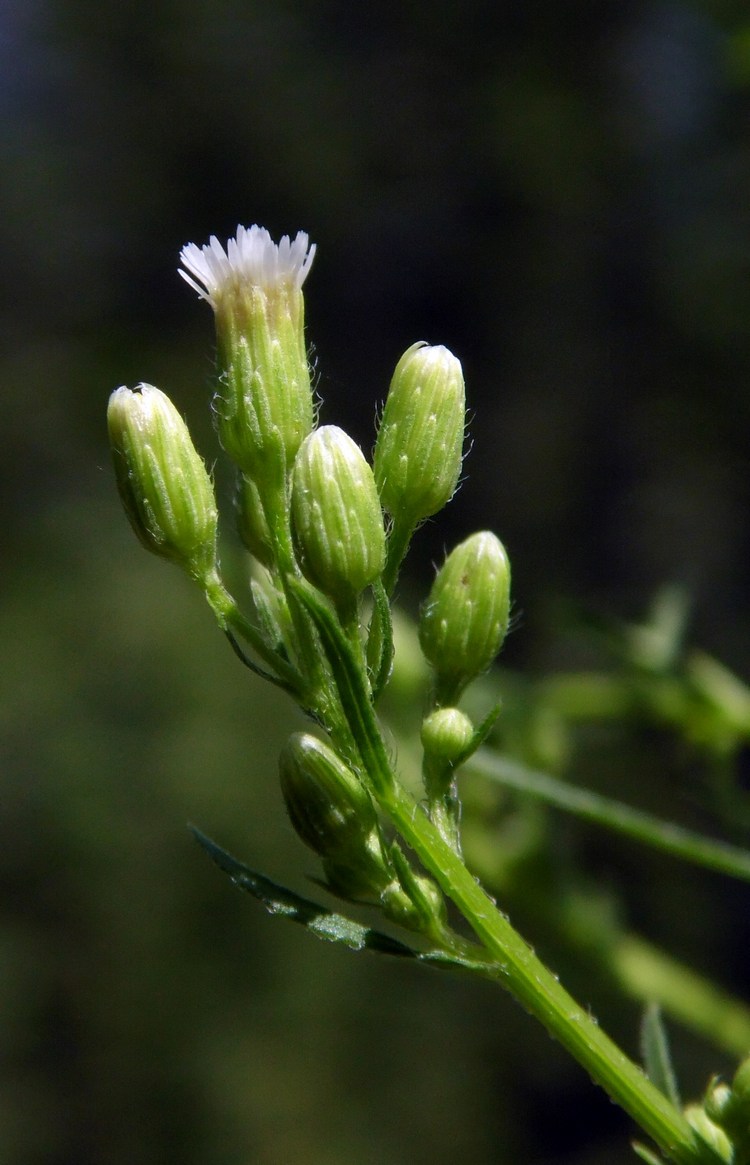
(264, 406)
(251, 259)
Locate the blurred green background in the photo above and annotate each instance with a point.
(559, 193)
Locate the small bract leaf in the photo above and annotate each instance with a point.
(656, 1053)
(328, 925)
(323, 923)
(646, 1154)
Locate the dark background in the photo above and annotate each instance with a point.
(559, 193)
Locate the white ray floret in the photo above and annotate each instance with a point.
(251, 258)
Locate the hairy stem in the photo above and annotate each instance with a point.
(517, 967)
(530, 982)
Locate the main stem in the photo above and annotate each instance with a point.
(516, 964)
(529, 981)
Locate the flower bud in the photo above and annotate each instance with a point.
(709, 1132)
(360, 877)
(420, 908)
(465, 619)
(264, 407)
(412, 899)
(334, 815)
(336, 515)
(446, 734)
(420, 440)
(163, 483)
(719, 1104)
(730, 1108)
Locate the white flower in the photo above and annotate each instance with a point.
(251, 258)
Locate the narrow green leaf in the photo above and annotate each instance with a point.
(480, 735)
(646, 1154)
(661, 835)
(254, 667)
(452, 962)
(233, 623)
(323, 923)
(380, 641)
(326, 924)
(656, 1054)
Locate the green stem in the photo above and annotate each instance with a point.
(517, 966)
(443, 814)
(398, 543)
(529, 981)
(348, 613)
(275, 501)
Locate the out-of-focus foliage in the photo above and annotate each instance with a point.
(557, 193)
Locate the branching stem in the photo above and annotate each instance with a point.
(515, 964)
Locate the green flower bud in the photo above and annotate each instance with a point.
(359, 878)
(336, 515)
(264, 407)
(413, 899)
(328, 805)
(446, 734)
(420, 440)
(730, 1108)
(163, 483)
(719, 1103)
(398, 908)
(251, 521)
(334, 815)
(709, 1132)
(465, 619)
